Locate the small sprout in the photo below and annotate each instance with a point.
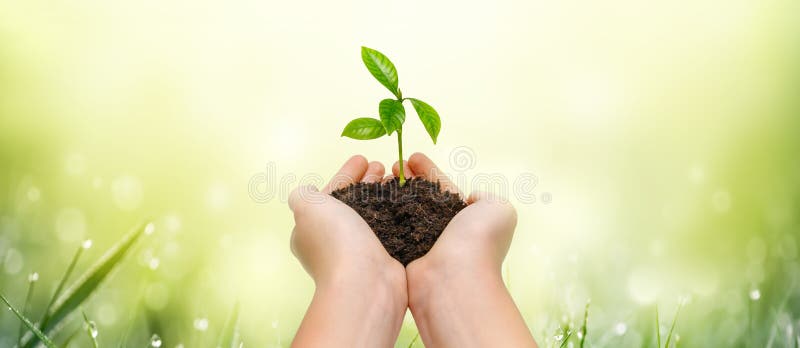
(392, 113)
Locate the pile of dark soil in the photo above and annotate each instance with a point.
(407, 219)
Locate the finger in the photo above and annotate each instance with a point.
(499, 204)
(407, 172)
(425, 168)
(351, 172)
(374, 173)
(303, 197)
(388, 178)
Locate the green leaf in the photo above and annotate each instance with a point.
(393, 114)
(381, 68)
(230, 333)
(89, 282)
(429, 117)
(36, 332)
(364, 128)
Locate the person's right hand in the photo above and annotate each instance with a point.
(361, 294)
(456, 291)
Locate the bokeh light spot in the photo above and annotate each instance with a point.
(70, 225)
(127, 192)
(721, 201)
(13, 261)
(75, 164)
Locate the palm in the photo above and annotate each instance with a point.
(328, 234)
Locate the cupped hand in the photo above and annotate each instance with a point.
(361, 294)
(329, 238)
(456, 292)
(478, 237)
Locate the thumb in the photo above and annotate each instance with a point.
(493, 205)
(304, 196)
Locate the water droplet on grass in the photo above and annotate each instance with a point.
(201, 324)
(620, 328)
(153, 264)
(33, 277)
(149, 229)
(86, 244)
(755, 294)
(155, 341)
(92, 327)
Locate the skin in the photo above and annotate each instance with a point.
(360, 297)
(455, 292)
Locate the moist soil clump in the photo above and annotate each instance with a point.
(407, 219)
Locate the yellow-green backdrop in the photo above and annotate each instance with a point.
(662, 139)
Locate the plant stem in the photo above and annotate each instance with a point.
(400, 163)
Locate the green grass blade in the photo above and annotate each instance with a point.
(71, 337)
(674, 321)
(91, 329)
(32, 278)
(89, 281)
(37, 333)
(585, 321)
(414, 340)
(229, 333)
(46, 316)
(566, 339)
(658, 330)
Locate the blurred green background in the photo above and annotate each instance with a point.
(664, 138)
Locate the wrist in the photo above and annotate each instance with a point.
(430, 279)
(355, 308)
(467, 306)
(383, 285)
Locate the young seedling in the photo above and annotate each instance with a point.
(391, 111)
